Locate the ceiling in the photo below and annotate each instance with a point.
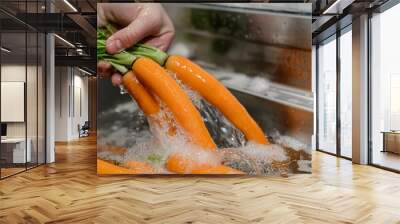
(332, 15)
(72, 20)
(75, 21)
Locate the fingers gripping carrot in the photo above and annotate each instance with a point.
(217, 94)
(154, 77)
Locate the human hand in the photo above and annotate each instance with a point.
(140, 22)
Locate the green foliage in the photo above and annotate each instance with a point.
(155, 158)
(123, 61)
(145, 50)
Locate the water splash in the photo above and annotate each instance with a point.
(223, 132)
(152, 143)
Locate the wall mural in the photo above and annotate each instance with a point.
(232, 95)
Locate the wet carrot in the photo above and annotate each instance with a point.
(218, 170)
(143, 98)
(104, 167)
(185, 165)
(156, 81)
(156, 78)
(216, 94)
(139, 167)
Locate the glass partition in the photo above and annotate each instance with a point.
(14, 151)
(22, 89)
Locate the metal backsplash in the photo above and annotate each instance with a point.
(262, 52)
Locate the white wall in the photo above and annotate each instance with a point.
(34, 125)
(12, 73)
(12, 101)
(80, 85)
(70, 83)
(16, 73)
(62, 81)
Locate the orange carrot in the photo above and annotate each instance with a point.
(104, 167)
(143, 98)
(139, 167)
(154, 77)
(216, 94)
(218, 170)
(183, 164)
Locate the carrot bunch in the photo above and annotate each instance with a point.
(146, 79)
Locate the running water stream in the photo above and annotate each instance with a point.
(152, 144)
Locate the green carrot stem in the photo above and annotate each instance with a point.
(120, 68)
(145, 50)
(123, 61)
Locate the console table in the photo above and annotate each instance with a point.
(391, 141)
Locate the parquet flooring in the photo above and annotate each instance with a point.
(387, 159)
(10, 171)
(69, 191)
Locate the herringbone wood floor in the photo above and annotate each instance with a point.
(69, 191)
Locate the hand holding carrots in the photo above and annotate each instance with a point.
(140, 22)
(146, 78)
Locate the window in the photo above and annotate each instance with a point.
(394, 102)
(346, 93)
(385, 89)
(327, 96)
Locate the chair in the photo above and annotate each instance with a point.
(84, 130)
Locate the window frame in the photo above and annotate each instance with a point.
(334, 37)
